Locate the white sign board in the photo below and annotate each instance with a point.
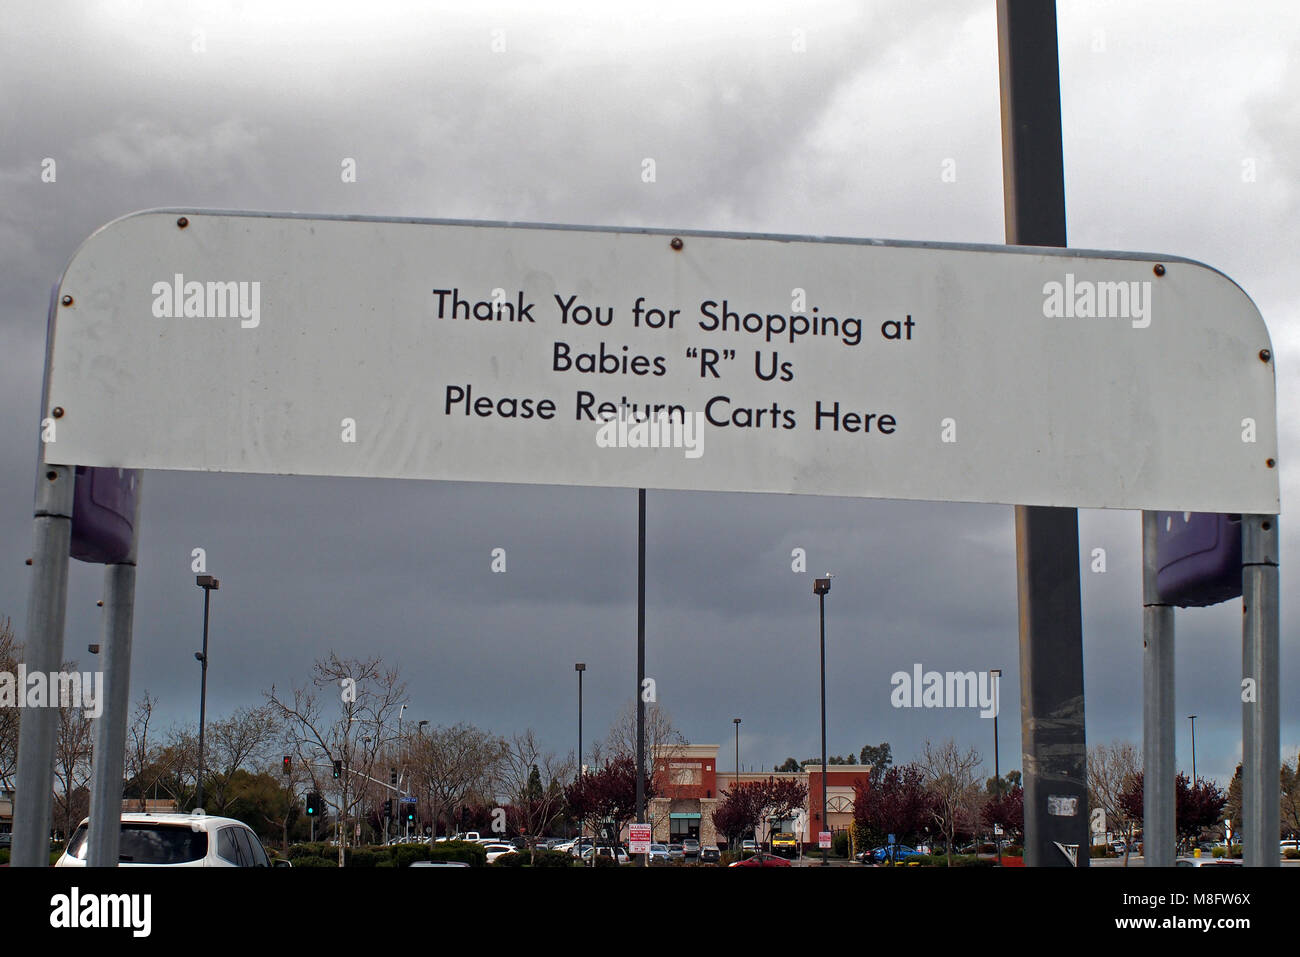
(823, 839)
(480, 352)
(639, 838)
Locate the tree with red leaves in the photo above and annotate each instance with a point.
(1006, 809)
(747, 804)
(1195, 807)
(608, 794)
(897, 804)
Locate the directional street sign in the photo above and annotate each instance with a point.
(493, 352)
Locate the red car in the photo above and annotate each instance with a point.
(761, 861)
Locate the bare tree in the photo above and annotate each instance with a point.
(663, 746)
(532, 781)
(1112, 769)
(240, 741)
(355, 732)
(10, 653)
(145, 763)
(72, 767)
(452, 765)
(950, 778)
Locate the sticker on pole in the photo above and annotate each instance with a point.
(458, 351)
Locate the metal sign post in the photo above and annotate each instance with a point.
(1260, 710)
(43, 651)
(110, 730)
(1047, 539)
(1158, 750)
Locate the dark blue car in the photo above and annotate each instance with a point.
(894, 854)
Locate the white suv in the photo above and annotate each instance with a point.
(176, 840)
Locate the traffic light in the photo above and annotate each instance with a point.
(392, 776)
(338, 768)
(388, 807)
(288, 765)
(313, 805)
(410, 812)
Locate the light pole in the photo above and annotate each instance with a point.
(1193, 720)
(996, 675)
(580, 667)
(433, 825)
(736, 722)
(209, 585)
(820, 587)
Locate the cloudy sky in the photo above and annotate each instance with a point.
(1182, 136)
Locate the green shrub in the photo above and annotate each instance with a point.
(1100, 850)
(1013, 850)
(840, 844)
(312, 860)
(4, 855)
(606, 861)
(475, 855)
(366, 856)
(318, 849)
(1218, 851)
(1291, 854)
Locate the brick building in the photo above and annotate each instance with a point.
(692, 783)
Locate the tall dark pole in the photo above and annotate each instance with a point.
(736, 722)
(996, 675)
(1193, 718)
(640, 660)
(580, 667)
(208, 584)
(1047, 539)
(820, 587)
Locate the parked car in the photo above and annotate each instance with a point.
(761, 860)
(176, 840)
(438, 864)
(691, 847)
(616, 854)
(749, 846)
(676, 852)
(894, 853)
(658, 853)
(710, 854)
(1207, 862)
(6, 839)
(497, 849)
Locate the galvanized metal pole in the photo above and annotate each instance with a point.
(1158, 721)
(1260, 711)
(47, 600)
(1047, 539)
(110, 729)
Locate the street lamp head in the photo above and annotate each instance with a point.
(421, 725)
(735, 721)
(198, 656)
(207, 581)
(580, 666)
(822, 586)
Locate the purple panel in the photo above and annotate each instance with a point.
(103, 508)
(1198, 558)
